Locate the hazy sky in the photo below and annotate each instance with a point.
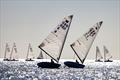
(30, 21)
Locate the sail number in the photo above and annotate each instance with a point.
(91, 33)
(64, 24)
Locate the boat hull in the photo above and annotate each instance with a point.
(6, 59)
(98, 61)
(10, 60)
(29, 59)
(73, 64)
(48, 65)
(108, 61)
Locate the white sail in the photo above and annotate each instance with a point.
(98, 54)
(7, 50)
(82, 45)
(13, 54)
(40, 56)
(107, 55)
(29, 52)
(53, 44)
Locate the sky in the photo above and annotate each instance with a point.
(30, 21)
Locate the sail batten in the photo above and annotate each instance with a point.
(82, 45)
(54, 43)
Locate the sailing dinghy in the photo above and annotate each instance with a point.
(7, 50)
(13, 54)
(107, 55)
(98, 55)
(54, 43)
(29, 56)
(82, 46)
(40, 55)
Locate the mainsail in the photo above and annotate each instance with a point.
(98, 54)
(82, 45)
(54, 43)
(107, 55)
(29, 52)
(40, 55)
(14, 50)
(7, 49)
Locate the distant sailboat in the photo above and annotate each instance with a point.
(54, 43)
(40, 55)
(98, 55)
(7, 50)
(107, 55)
(29, 56)
(82, 46)
(13, 53)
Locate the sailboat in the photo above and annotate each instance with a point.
(107, 55)
(54, 43)
(98, 55)
(40, 55)
(7, 50)
(82, 46)
(29, 56)
(13, 56)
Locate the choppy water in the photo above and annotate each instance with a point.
(30, 71)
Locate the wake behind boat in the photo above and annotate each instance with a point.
(54, 43)
(82, 46)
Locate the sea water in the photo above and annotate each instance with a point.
(21, 70)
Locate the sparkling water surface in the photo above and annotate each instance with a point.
(19, 70)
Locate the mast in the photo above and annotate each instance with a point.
(71, 16)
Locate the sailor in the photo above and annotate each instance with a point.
(52, 61)
(77, 62)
